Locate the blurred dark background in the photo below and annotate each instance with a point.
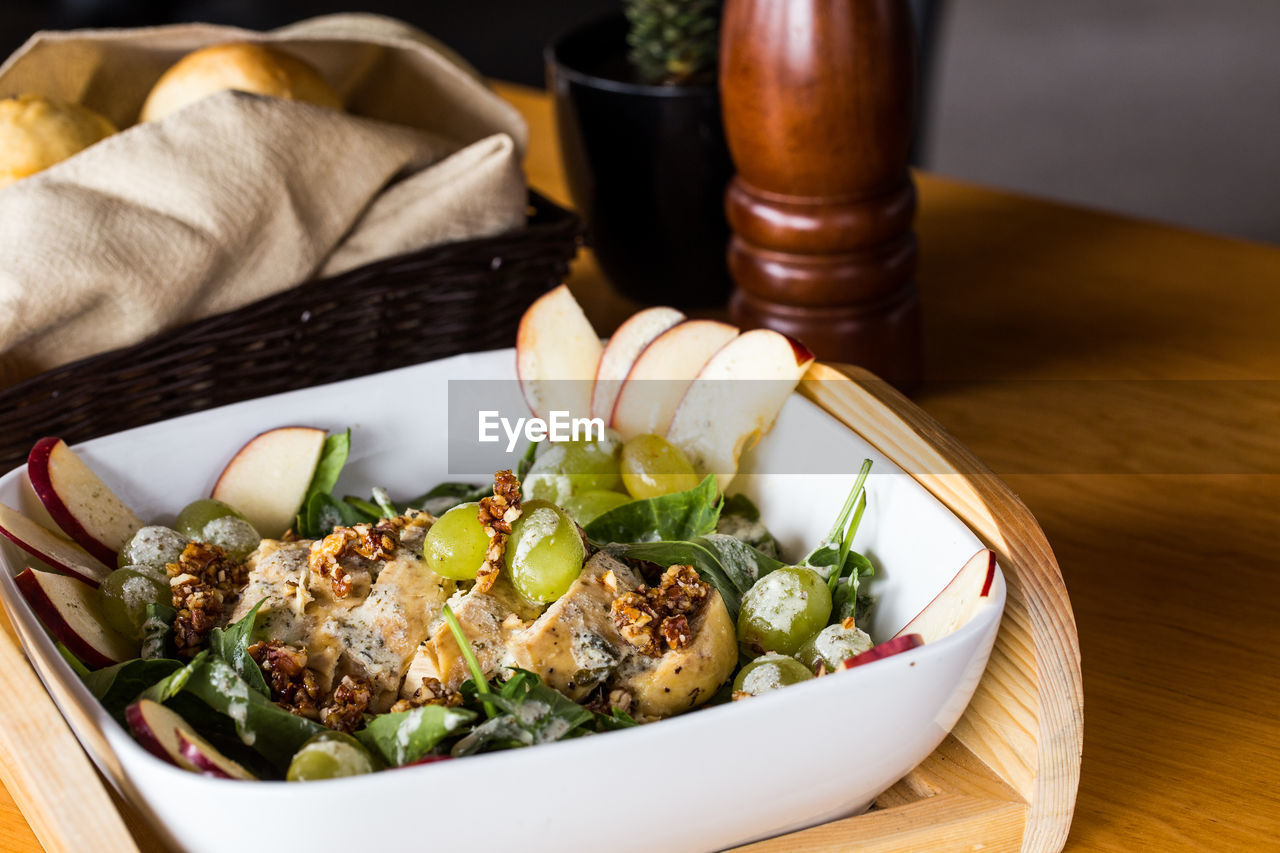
(1164, 109)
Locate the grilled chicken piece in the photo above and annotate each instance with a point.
(682, 679)
(487, 619)
(574, 646)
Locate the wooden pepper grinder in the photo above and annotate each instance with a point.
(819, 102)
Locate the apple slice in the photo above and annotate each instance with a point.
(889, 648)
(78, 501)
(205, 758)
(661, 374)
(557, 354)
(268, 477)
(735, 399)
(162, 732)
(69, 609)
(59, 554)
(621, 352)
(963, 595)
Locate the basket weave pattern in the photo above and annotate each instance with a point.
(436, 302)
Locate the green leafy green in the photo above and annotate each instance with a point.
(526, 461)
(614, 720)
(531, 713)
(364, 507)
(323, 512)
(729, 564)
(116, 687)
(320, 511)
(446, 496)
(835, 557)
(77, 666)
(386, 509)
(406, 736)
(262, 725)
(232, 645)
(740, 518)
(333, 458)
(469, 655)
(676, 517)
(157, 631)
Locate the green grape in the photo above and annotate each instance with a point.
(545, 552)
(653, 466)
(770, 672)
(329, 755)
(234, 535)
(196, 515)
(571, 467)
(588, 506)
(783, 609)
(125, 595)
(456, 544)
(832, 645)
(154, 547)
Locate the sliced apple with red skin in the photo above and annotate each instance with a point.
(163, 732)
(69, 609)
(735, 399)
(268, 478)
(631, 339)
(205, 758)
(78, 501)
(661, 374)
(57, 553)
(557, 354)
(958, 601)
(889, 648)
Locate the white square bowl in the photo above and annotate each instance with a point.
(711, 779)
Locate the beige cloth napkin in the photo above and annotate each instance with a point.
(238, 196)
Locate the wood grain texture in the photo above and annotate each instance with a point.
(819, 100)
(1172, 563)
(1162, 506)
(46, 772)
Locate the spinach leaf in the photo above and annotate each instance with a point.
(231, 644)
(77, 666)
(614, 720)
(333, 457)
(262, 725)
(531, 713)
(323, 512)
(364, 507)
(730, 565)
(675, 517)
(406, 736)
(526, 461)
(446, 496)
(740, 518)
(116, 687)
(157, 631)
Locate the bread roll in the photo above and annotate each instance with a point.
(36, 132)
(242, 66)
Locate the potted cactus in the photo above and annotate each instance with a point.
(643, 147)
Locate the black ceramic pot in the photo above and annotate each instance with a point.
(647, 166)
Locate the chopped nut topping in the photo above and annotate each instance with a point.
(741, 694)
(293, 686)
(372, 542)
(847, 623)
(345, 711)
(432, 692)
(497, 514)
(202, 583)
(651, 618)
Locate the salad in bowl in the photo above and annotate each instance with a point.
(283, 629)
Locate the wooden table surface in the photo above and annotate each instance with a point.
(1124, 379)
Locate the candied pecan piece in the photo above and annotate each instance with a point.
(202, 582)
(345, 711)
(432, 692)
(293, 686)
(497, 514)
(369, 541)
(655, 619)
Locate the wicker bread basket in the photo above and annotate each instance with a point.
(415, 307)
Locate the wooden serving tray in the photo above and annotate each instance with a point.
(1004, 779)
